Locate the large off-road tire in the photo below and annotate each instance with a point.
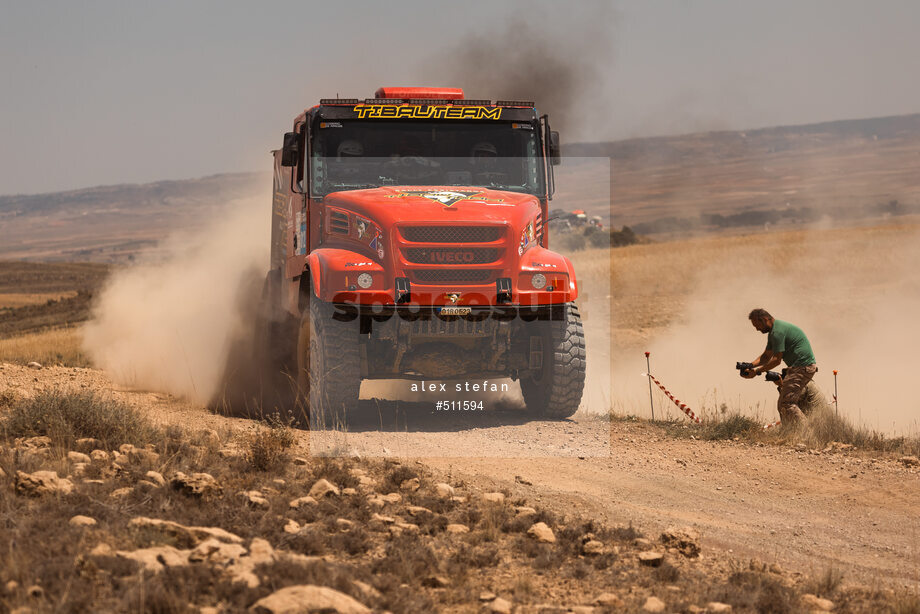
(328, 365)
(555, 391)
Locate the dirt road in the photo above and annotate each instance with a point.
(806, 511)
(803, 510)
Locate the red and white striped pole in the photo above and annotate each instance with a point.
(649, 371)
(682, 406)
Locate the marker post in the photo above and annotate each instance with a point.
(835, 392)
(649, 371)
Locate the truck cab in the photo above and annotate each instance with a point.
(408, 242)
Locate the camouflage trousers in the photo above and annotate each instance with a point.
(790, 393)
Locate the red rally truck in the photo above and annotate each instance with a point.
(409, 241)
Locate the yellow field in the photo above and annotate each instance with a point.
(12, 300)
(51, 347)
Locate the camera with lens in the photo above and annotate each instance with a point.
(744, 367)
(773, 376)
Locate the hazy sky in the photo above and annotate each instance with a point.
(112, 92)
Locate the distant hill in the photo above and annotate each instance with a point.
(160, 193)
(112, 223)
(840, 170)
(787, 175)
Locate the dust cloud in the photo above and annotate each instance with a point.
(853, 291)
(530, 59)
(170, 322)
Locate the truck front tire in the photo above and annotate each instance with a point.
(555, 390)
(328, 365)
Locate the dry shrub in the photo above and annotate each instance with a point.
(729, 427)
(432, 524)
(579, 570)
(549, 558)
(68, 416)
(354, 541)
(906, 604)
(825, 584)
(666, 573)
(476, 557)
(625, 534)
(604, 561)
(750, 591)
(310, 542)
(494, 518)
(7, 399)
(432, 502)
(267, 446)
(470, 516)
(518, 524)
(337, 471)
(408, 558)
(523, 588)
(824, 426)
(396, 477)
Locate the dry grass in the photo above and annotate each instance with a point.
(61, 346)
(496, 555)
(824, 427)
(68, 416)
(821, 428)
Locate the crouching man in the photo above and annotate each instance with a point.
(785, 343)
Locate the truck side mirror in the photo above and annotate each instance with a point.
(289, 150)
(555, 151)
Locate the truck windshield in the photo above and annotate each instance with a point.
(356, 154)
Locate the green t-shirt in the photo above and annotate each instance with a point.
(792, 342)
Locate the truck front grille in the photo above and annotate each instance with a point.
(452, 276)
(452, 234)
(451, 255)
(458, 327)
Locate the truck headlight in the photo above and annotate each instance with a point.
(365, 280)
(538, 280)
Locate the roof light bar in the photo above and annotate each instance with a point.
(514, 103)
(339, 101)
(435, 93)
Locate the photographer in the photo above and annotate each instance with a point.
(785, 342)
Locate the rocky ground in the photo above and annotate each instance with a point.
(207, 513)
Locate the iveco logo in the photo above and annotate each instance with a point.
(452, 257)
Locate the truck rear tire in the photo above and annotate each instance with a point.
(328, 365)
(555, 392)
(274, 346)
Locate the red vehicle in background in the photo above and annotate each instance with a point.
(408, 242)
